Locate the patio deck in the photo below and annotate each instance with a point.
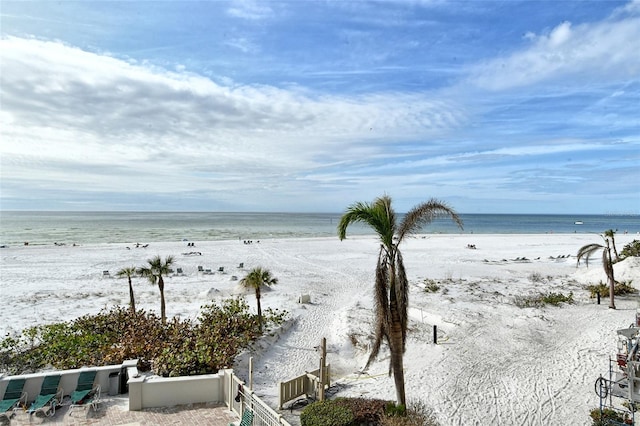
(115, 411)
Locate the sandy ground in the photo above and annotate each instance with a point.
(495, 363)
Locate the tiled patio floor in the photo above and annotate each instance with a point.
(115, 411)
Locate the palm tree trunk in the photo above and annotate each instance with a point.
(615, 250)
(608, 268)
(396, 347)
(163, 315)
(397, 365)
(132, 300)
(259, 308)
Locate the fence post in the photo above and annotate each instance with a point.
(251, 373)
(598, 295)
(435, 334)
(323, 358)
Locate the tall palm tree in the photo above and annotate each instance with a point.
(607, 263)
(391, 285)
(129, 272)
(610, 233)
(154, 271)
(255, 279)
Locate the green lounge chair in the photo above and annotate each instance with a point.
(85, 394)
(13, 397)
(48, 398)
(247, 418)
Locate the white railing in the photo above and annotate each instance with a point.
(238, 398)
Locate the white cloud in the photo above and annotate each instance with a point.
(602, 50)
(250, 9)
(78, 120)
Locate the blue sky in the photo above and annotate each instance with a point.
(308, 106)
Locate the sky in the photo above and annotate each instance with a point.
(310, 106)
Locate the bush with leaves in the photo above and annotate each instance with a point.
(221, 332)
(631, 250)
(416, 414)
(620, 288)
(115, 335)
(326, 413)
(607, 417)
(541, 300)
(370, 412)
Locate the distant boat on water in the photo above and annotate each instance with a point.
(579, 222)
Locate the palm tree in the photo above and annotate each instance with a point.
(154, 272)
(607, 263)
(128, 272)
(391, 285)
(255, 279)
(610, 233)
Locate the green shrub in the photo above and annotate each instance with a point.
(365, 411)
(393, 409)
(619, 289)
(607, 418)
(417, 414)
(541, 300)
(326, 413)
(179, 347)
(361, 411)
(631, 250)
(431, 286)
(536, 277)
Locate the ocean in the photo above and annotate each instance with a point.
(118, 227)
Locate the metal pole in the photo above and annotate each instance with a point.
(435, 334)
(251, 373)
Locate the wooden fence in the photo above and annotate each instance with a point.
(307, 384)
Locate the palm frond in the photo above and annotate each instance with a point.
(402, 297)
(607, 264)
(378, 215)
(381, 307)
(588, 251)
(127, 272)
(423, 214)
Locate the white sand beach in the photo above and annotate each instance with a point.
(495, 363)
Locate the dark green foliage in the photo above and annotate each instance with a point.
(366, 412)
(620, 288)
(112, 336)
(431, 286)
(326, 413)
(394, 410)
(631, 250)
(541, 300)
(416, 414)
(607, 417)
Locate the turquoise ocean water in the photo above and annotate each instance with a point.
(143, 227)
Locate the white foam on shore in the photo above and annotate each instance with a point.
(495, 364)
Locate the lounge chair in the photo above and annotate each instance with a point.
(85, 395)
(49, 398)
(200, 268)
(247, 419)
(221, 269)
(13, 397)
